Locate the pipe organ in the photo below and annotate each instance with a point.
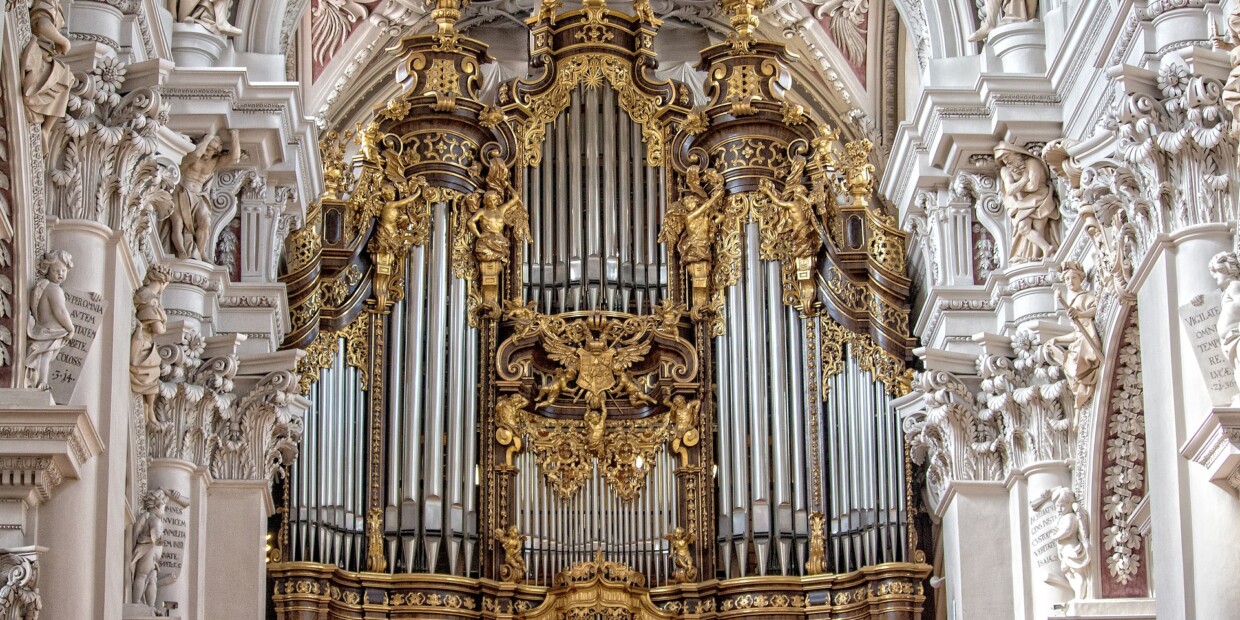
(594, 352)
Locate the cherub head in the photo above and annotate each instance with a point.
(1225, 267)
(55, 266)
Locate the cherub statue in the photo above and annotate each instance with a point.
(684, 413)
(1000, 12)
(1084, 348)
(1030, 202)
(625, 384)
(680, 540)
(211, 14)
(46, 79)
(49, 327)
(148, 544)
(513, 542)
(189, 224)
(1225, 267)
(1071, 537)
(144, 360)
(509, 412)
(557, 385)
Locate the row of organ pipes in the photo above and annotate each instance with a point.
(595, 246)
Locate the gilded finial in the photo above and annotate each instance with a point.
(744, 18)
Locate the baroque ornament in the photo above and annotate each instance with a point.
(1225, 267)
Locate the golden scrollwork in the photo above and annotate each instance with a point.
(590, 70)
(889, 370)
(322, 352)
(376, 561)
(565, 450)
(817, 562)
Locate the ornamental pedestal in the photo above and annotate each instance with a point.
(974, 515)
(1020, 48)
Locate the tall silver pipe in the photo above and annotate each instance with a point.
(415, 382)
(563, 207)
(437, 369)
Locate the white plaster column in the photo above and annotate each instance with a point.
(1020, 48)
(1033, 542)
(186, 296)
(974, 522)
(84, 525)
(236, 556)
(1195, 553)
(183, 534)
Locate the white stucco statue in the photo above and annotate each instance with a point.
(1225, 267)
(144, 360)
(46, 79)
(996, 13)
(1071, 536)
(49, 326)
(189, 222)
(212, 14)
(1029, 200)
(1083, 359)
(148, 544)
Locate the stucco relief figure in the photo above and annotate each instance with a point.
(148, 544)
(1029, 200)
(1071, 536)
(1225, 267)
(144, 357)
(46, 79)
(211, 14)
(997, 13)
(49, 326)
(1083, 358)
(189, 222)
(682, 558)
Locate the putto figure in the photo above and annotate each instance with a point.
(513, 542)
(1071, 536)
(1225, 267)
(50, 327)
(1030, 202)
(148, 544)
(682, 557)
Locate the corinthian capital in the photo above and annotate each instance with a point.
(261, 435)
